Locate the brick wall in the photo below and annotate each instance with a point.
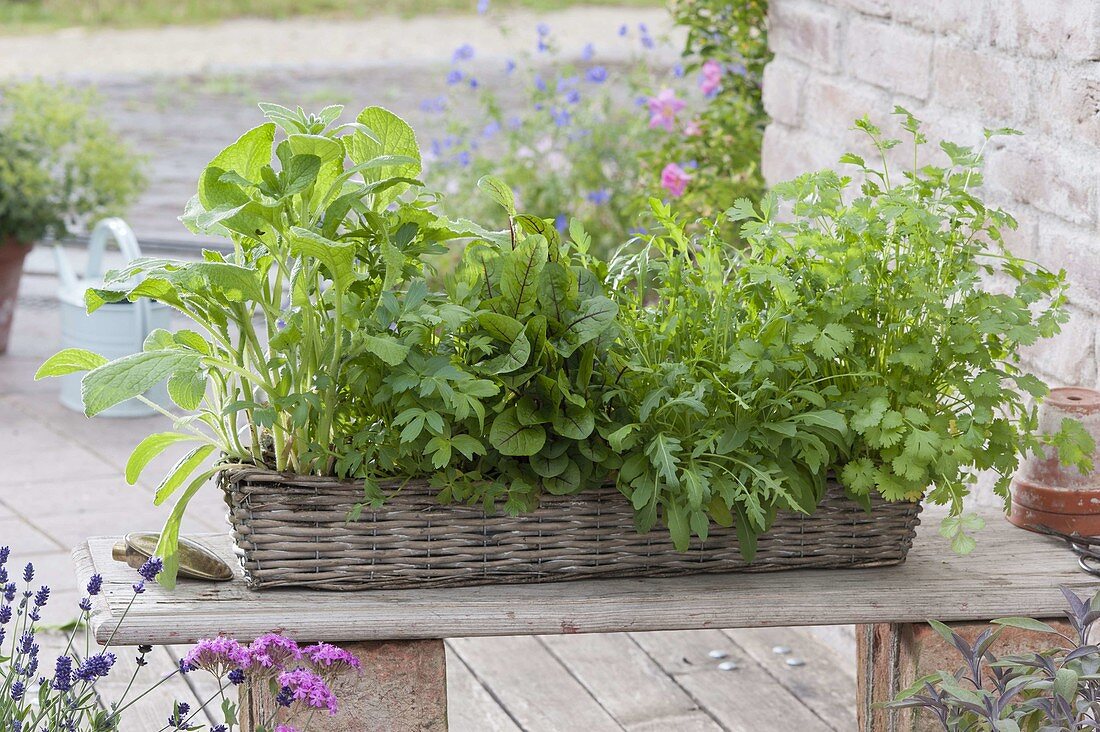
(961, 65)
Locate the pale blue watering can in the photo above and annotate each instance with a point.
(114, 330)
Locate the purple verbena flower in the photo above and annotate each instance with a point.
(327, 656)
(273, 651)
(305, 686)
(218, 655)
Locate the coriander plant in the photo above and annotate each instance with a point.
(888, 282)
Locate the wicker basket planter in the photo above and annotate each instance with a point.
(294, 531)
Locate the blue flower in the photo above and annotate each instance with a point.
(436, 104)
(17, 690)
(63, 674)
(465, 52)
(152, 567)
(560, 222)
(42, 596)
(678, 71)
(647, 41)
(599, 197)
(236, 677)
(561, 117)
(28, 572)
(86, 604)
(596, 75)
(509, 66)
(623, 29)
(139, 588)
(573, 96)
(473, 83)
(482, 7)
(182, 709)
(95, 667)
(588, 52)
(543, 29)
(515, 122)
(5, 614)
(5, 552)
(463, 158)
(540, 83)
(95, 584)
(454, 76)
(491, 129)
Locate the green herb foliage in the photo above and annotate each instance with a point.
(329, 223)
(902, 288)
(726, 414)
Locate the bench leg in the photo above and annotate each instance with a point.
(402, 688)
(892, 656)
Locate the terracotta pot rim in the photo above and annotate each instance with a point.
(1047, 498)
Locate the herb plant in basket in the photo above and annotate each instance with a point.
(326, 222)
(864, 338)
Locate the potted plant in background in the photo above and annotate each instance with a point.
(61, 168)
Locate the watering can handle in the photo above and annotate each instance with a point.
(107, 229)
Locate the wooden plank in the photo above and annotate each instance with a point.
(627, 682)
(934, 583)
(470, 706)
(536, 690)
(745, 700)
(825, 683)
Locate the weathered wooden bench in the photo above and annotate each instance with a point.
(398, 634)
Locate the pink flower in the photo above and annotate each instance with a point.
(217, 655)
(693, 129)
(674, 179)
(329, 657)
(273, 651)
(712, 77)
(663, 109)
(305, 686)
(285, 728)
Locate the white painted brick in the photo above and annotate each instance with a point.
(783, 84)
(788, 153)
(1070, 356)
(806, 33)
(967, 20)
(979, 82)
(867, 7)
(1076, 249)
(1066, 100)
(1068, 29)
(833, 104)
(889, 56)
(1049, 175)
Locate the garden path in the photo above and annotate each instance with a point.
(61, 482)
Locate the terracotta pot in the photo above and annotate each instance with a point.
(12, 254)
(1048, 494)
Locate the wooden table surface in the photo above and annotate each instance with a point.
(1011, 572)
